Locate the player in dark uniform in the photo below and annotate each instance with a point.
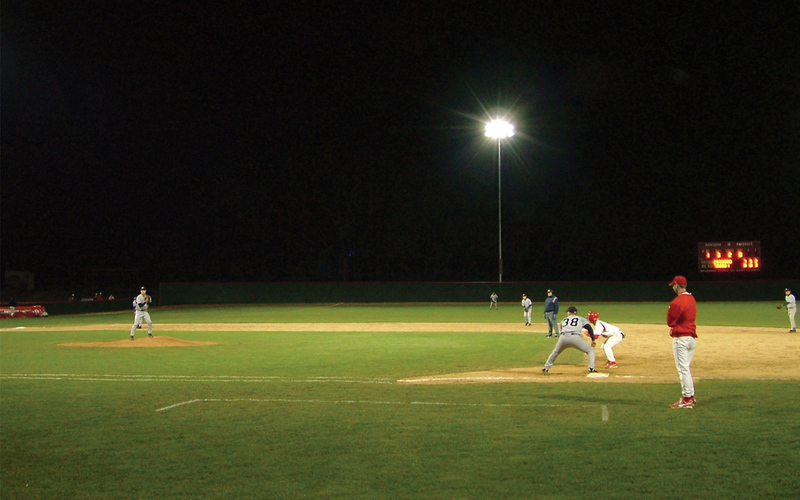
(551, 313)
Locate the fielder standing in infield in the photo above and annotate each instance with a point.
(791, 309)
(681, 318)
(526, 309)
(142, 302)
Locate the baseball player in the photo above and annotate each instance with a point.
(527, 305)
(611, 333)
(141, 303)
(681, 317)
(791, 309)
(493, 303)
(551, 313)
(571, 329)
(135, 322)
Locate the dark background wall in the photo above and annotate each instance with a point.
(281, 293)
(170, 294)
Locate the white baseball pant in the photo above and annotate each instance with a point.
(608, 345)
(683, 349)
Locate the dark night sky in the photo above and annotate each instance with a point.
(273, 141)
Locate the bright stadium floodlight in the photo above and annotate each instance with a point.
(499, 129)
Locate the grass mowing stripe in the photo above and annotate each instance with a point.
(363, 402)
(189, 378)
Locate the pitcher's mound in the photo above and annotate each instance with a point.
(145, 341)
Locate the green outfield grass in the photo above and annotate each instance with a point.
(320, 415)
(753, 314)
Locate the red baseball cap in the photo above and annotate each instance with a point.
(679, 280)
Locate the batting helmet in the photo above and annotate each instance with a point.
(593, 316)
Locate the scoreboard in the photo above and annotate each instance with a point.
(729, 256)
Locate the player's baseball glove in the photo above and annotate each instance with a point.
(778, 306)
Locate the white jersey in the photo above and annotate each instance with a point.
(605, 329)
(526, 303)
(791, 303)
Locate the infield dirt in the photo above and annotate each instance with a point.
(645, 356)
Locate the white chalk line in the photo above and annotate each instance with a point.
(191, 378)
(462, 379)
(233, 378)
(365, 402)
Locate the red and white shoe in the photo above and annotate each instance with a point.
(684, 403)
(612, 365)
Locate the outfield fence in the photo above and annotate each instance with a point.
(170, 294)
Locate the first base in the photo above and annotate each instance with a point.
(597, 375)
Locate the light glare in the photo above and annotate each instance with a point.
(499, 129)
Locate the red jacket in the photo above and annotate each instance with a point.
(681, 316)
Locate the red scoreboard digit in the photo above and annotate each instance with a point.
(729, 256)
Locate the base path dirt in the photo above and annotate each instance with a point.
(145, 341)
(645, 356)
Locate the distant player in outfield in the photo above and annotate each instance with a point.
(493, 303)
(681, 318)
(572, 328)
(791, 309)
(612, 334)
(142, 303)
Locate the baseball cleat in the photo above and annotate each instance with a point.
(684, 402)
(612, 365)
(545, 371)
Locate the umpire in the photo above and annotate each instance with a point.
(551, 313)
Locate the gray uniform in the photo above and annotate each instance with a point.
(791, 309)
(141, 303)
(527, 305)
(571, 327)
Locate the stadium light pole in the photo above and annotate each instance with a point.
(499, 130)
